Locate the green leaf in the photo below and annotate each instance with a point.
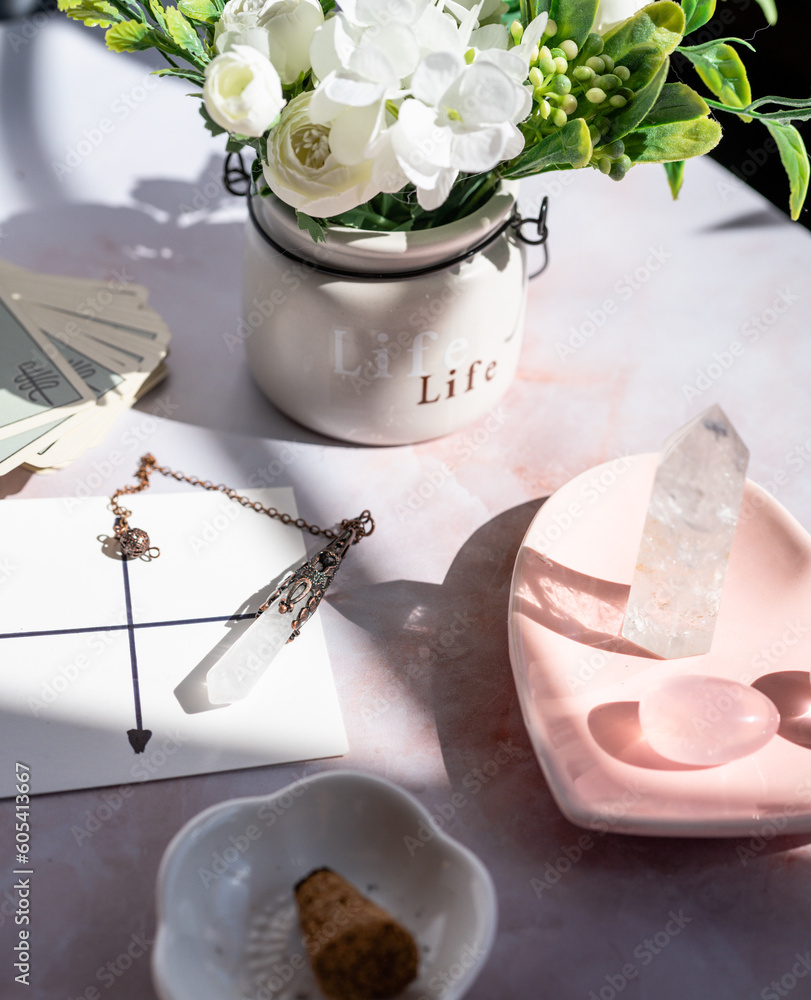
(316, 228)
(204, 11)
(574, 18)
(365, 217)
(626, 119)
(661, 23)
(721, 69)
(211, 125)
(769, 9)
(696, 14)
(675, 176)
(644, 62)
(794, 157)
(465, 196)
(642, 42)
(236, 143)
(159, 13)
(186, 74)
(527, 8)
(94, 13)
(568, 147)
(677, 103)
(665, 134)
(673, 141)
(129, 36)
(182, 33)
(70, 6)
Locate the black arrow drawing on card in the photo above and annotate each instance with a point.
(138, 737)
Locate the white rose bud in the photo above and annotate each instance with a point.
(280, 29)
(242, 92)
(302, 171)
(239, 25)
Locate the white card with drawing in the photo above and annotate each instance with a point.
(97, 652)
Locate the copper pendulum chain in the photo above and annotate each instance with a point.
(305, 586)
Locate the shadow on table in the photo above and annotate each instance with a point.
(13, 482)
(450, 640)
(763, 218)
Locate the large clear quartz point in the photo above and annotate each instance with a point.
(683, 556)
(238, 670)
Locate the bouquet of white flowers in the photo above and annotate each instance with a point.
(406, 114)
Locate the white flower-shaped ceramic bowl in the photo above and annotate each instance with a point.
(227, 920)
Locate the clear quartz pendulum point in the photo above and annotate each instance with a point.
(690, 524)
(239, 669)
(282, 616)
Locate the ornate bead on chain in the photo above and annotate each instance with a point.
(133, 542)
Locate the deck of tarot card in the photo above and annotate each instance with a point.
(74, 354)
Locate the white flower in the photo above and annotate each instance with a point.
(515, 62)
(461, 118)
(360, 68)
(440, 31)
(489, 13)
(242, 92)
(366, 55)
(613, 12)
(385, 52)
(304, 173)
(239, 25)
(373, 13)
(280, 29)
(410, 60)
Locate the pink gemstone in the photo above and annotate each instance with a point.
(694, 719)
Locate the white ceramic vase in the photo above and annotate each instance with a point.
(384, 338)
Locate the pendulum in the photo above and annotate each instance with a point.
(279, 620)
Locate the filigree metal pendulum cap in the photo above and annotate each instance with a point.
(280, 618)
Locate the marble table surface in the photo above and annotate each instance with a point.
(628, 335)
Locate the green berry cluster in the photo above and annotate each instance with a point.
(611, 159)
(570, 80)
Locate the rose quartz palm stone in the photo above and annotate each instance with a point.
(700, 720)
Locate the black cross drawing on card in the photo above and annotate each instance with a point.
(138, 737)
